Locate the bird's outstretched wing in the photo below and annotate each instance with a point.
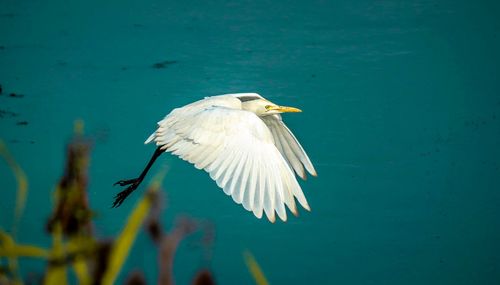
(289, 146)
(237, 149)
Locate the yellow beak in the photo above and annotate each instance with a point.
(285, 109)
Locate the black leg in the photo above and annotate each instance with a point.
(134, 183)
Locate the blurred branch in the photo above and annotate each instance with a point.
(168, 246)
(168, 242)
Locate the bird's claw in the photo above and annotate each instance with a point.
(120, 197)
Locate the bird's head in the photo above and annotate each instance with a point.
(262, 107)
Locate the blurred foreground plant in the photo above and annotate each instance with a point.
(72, 211)
(74, 245)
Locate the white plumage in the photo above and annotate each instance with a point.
(242, 142)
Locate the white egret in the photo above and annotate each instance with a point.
(242, 142)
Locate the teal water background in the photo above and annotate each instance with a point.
(401, 104)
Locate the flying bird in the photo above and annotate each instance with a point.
(243, 143)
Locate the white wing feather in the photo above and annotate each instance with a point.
(289, 146)
(237, 149)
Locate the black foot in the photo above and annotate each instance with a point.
(120, 197)
(126, 182)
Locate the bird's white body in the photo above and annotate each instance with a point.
(242, 142)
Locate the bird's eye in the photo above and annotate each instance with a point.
(268, 107)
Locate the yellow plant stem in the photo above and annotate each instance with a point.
(125, 240)
(254, 268)
(22, 184)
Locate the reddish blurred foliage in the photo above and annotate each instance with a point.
(136, 277)
(101, 258)
(168, 242)
(204, 277)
